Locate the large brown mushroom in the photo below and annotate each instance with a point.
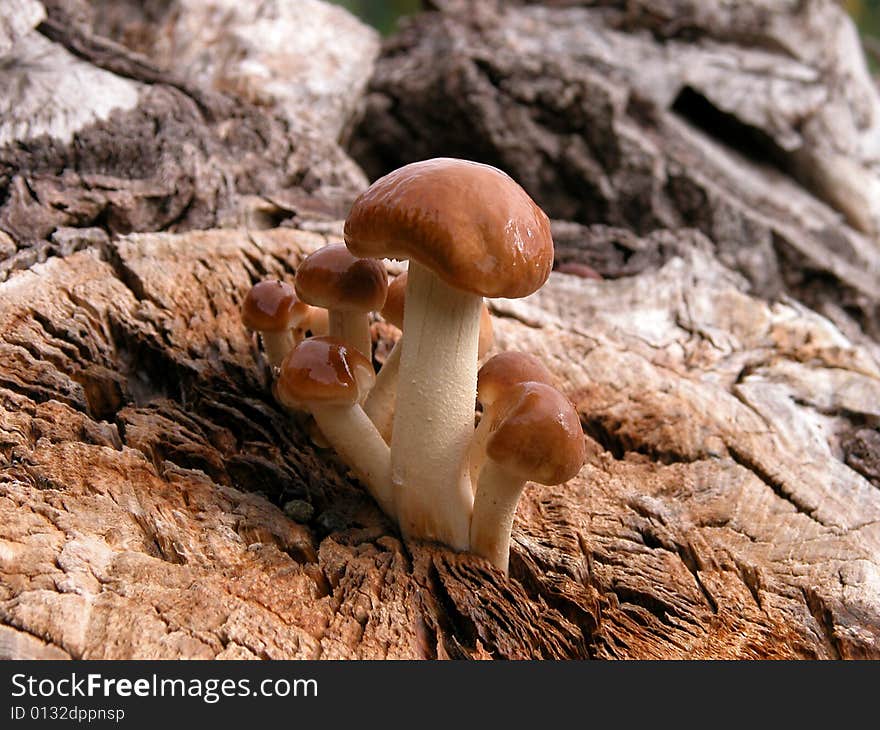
(535, 436)
(272, 309)
(348, 287)
(469, 231)
(328, 378)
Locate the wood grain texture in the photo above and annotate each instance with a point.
(156, 502)
(155, 150)
(308, 60)
(17, 19)
(144, 465)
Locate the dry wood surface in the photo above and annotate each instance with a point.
(718, 166)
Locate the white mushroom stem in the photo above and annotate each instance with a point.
(381, 401)
(354, 437)
(498, 492)
(479, 441)
(353, 328)
(276, 345)
(434, 416)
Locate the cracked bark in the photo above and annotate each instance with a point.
(729, 507)
(751, 122)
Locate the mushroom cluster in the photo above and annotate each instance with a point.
(468, 231)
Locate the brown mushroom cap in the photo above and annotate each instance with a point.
(272, 306)
(323, 370)
(470, 223)
(332, 278)
(538, 435)
(507, 369)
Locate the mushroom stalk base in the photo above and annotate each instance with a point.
(354, 437)
(434, 416)
(353, 328)
(497, 495)
(276, 345)
(380, 403)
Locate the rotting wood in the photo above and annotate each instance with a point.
(729, 507)
(150, 155)
(144, 466)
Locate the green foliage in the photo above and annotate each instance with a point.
(381, 15)
(867, 15)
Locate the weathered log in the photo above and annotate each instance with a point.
(752, 122)
(156, 502)
(144, 467)
(155, 150)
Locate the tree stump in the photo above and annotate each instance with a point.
(155, 502)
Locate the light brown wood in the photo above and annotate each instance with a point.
(145, 464)
(726, 368)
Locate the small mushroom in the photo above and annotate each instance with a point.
(327, 377)
(536, 436)
(469, 231)
(382, 398)
(498, 375)
(348, 287)
(272, 308)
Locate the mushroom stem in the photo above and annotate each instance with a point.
(317, 322)
(477, 449)
(354, 437)
(498, 492)
(381, 401)
(277, 344)
(352, 328)
(434, 417)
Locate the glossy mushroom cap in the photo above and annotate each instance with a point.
(507, 369)
(470, 223)
(272, 306)
(332, 278)
(538, 435)
(323, 370)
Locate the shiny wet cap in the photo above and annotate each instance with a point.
(272, 306)
(471, 224)
(334, 279)
(537, 435)
(507, 369)
(323, 370)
